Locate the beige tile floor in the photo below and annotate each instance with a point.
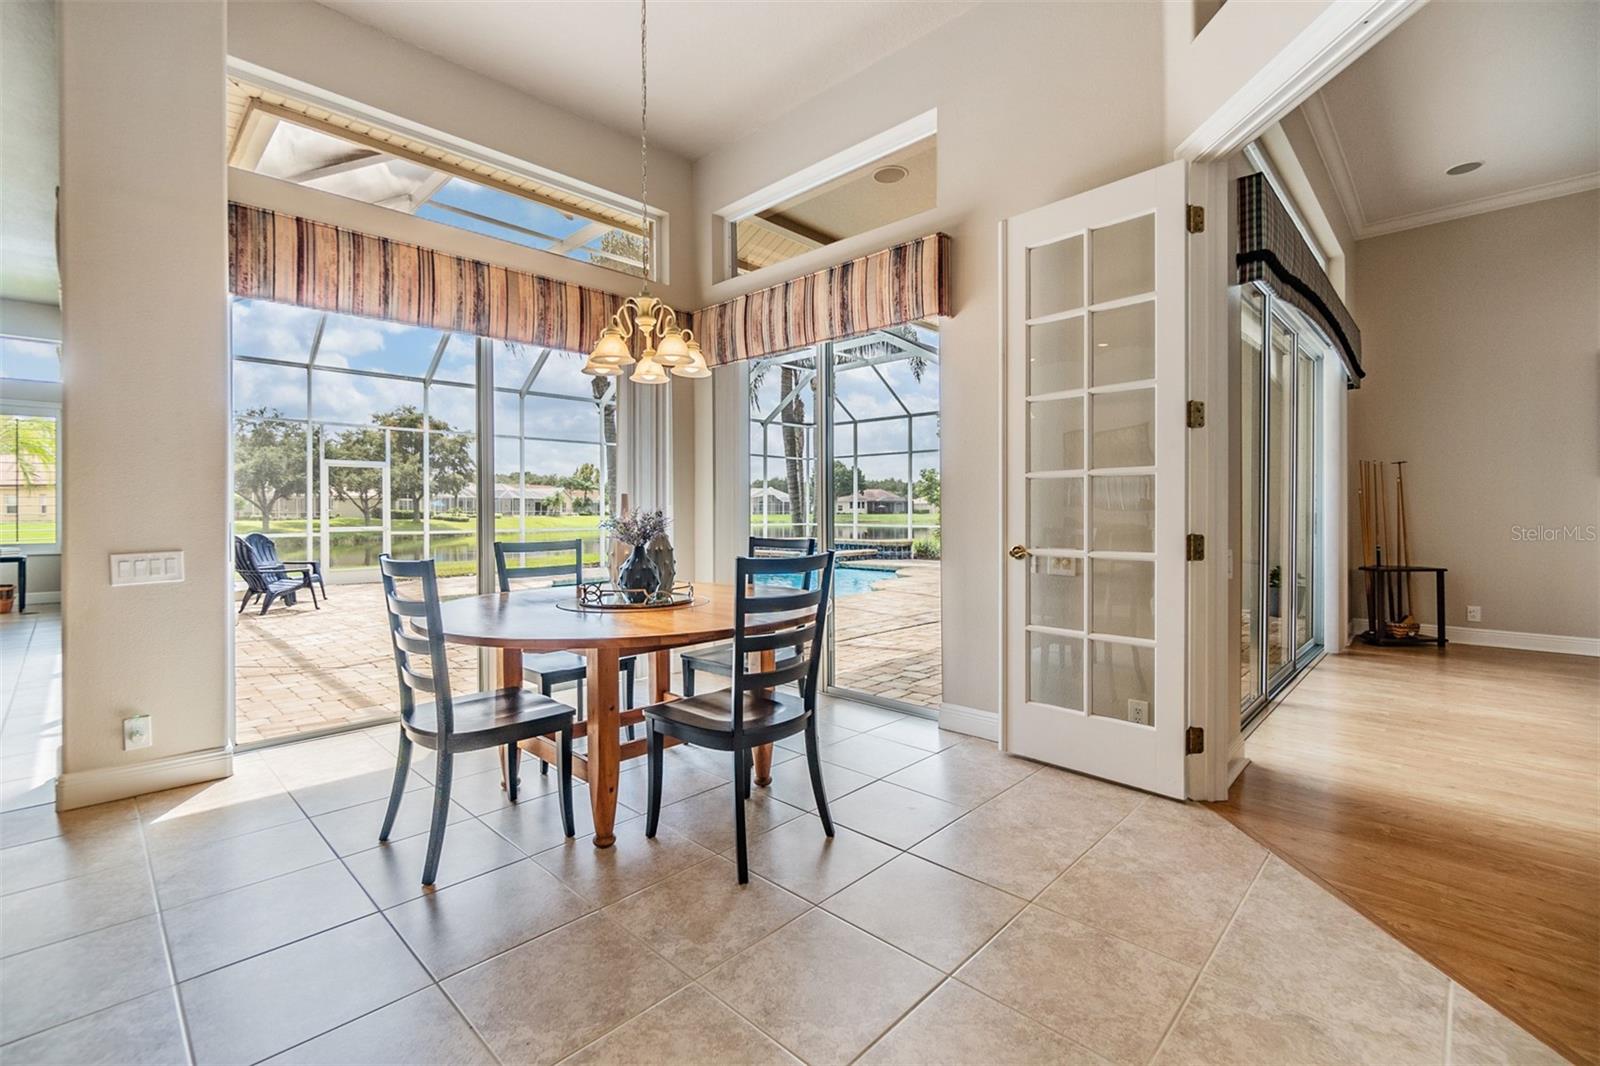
(973, 908)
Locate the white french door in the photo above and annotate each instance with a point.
(1096, 298)
(347, 554)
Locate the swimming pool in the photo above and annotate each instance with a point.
(847, 580)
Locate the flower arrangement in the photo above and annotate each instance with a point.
(636, 528)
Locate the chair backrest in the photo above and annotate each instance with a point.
(767, 547)
(265, 554)
(244, 563)
(551, 548)
(774, 617)
(411, 646)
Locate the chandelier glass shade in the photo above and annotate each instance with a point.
(644, 319)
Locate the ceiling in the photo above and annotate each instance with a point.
(1513, 85)
(29, 165)
(718, 70)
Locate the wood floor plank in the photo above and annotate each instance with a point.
(1453, 796)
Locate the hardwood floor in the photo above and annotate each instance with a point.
(1453, 796)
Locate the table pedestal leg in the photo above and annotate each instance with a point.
(509, 671)
(604, 756)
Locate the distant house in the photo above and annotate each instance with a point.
(31, 497)
(764, 499)
(541, 500)
(873, 501)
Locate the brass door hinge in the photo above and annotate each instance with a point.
(1195, 547)
(1196, 414)
(1194, 740)
(1196, 218)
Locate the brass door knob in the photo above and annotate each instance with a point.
(1019, 552)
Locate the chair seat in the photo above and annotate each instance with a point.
(284, 584)
(716, 659)
(484, 719)
(713, 713)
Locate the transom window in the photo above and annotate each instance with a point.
(292, 141)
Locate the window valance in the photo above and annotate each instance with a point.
(898, 285)
(1272, 250)
(273, 256)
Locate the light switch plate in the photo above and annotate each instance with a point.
(146, 568)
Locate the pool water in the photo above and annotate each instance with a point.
(847, 580)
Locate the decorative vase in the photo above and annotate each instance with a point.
(665, 565)
(638, 576)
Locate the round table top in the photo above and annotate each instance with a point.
(530, 619)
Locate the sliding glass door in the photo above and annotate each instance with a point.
(844, 446)
(1280, 361)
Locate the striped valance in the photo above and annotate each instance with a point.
(273, 256)
(902, 284)
(1272, 250)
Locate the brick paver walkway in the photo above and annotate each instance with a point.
(300, 670)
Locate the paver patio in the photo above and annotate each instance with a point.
(300, 670)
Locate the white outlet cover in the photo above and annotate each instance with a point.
(136, 732)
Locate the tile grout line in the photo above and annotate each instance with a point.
(166, 943)
(1212, 954)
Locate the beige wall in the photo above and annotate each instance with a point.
(1035, 102)
(144, 337)
(1484, 375)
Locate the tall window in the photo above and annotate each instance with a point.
(30, 493)
(28, 488)
(555, 447)
(844, 446)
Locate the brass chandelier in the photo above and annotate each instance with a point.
(664, 345)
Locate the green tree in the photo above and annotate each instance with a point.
(927, 487)
(269, 460)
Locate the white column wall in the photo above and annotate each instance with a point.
(144, 339)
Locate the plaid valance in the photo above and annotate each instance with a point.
(280, 257)
(902, 284)
(1272, 250)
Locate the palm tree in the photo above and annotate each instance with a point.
(32, 443)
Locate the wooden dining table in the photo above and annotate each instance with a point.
(543, 620)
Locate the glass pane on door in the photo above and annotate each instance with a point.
(1280, 487)
(1250, 498)
(1092, 537)
(1305, 501)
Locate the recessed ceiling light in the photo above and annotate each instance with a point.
(1102, 344)
(1464, 168)
(890, 174)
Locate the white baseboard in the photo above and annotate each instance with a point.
(1504, 638)
(84, 788)
(972, 722)
(44, 597)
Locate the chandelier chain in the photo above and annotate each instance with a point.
(644, 143)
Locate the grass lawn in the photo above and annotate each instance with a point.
(29, 531)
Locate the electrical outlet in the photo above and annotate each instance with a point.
(136, 732)
(1139, 712)
(1474, 613)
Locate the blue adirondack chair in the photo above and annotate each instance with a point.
(269, 580)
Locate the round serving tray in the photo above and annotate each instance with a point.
(603, 596)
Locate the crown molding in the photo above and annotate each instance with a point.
(1326, 137)
(1483, 205)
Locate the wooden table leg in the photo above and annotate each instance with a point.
(763, 754)
(509, 669)
(660, 675)
(604, 754)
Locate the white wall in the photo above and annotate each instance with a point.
(144, 337)
(1484, 375)
(1035, 102)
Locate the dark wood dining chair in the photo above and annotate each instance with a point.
(718, 658)
(556, 667)
(450, 724)
(767, 618)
